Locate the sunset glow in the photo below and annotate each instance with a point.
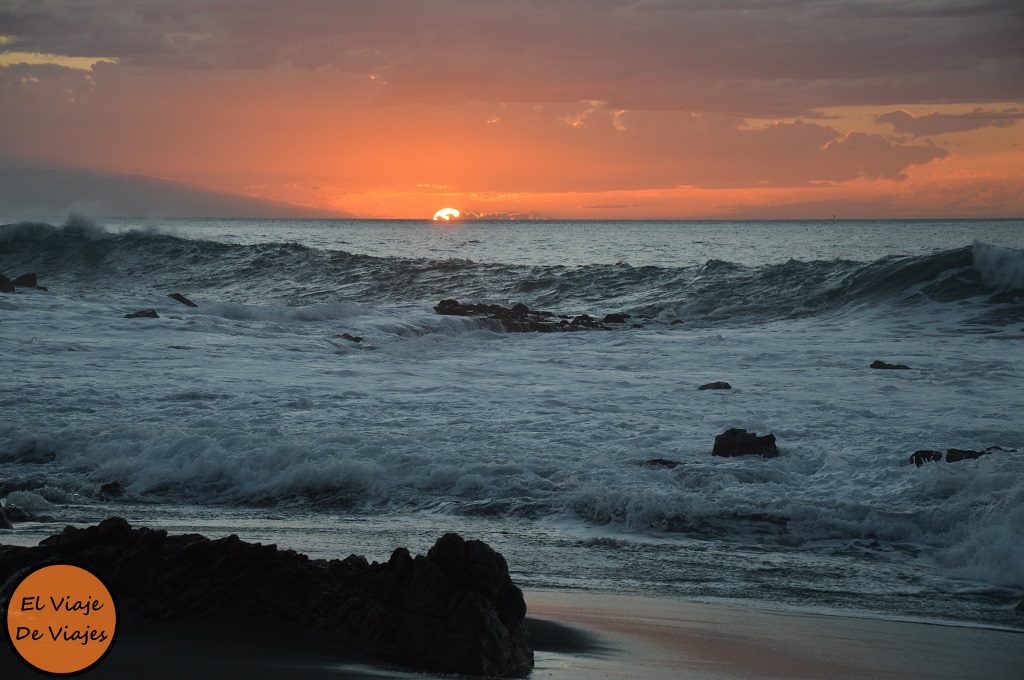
(345, 111)
(446, 214)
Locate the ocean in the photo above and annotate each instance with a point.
(249, 415)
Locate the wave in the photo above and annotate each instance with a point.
(80, 253)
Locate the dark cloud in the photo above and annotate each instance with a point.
(942, 123)
(745, 58)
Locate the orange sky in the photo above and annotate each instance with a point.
(658, 109)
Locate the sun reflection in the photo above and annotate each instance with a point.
(446, 214)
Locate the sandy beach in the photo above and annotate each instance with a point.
(595, 635)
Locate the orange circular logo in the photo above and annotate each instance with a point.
(61, 619)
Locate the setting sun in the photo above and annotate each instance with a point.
(446, 214)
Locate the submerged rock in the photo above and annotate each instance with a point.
(877, 363)
(15, 513)
(715, 386)
(655, 463)
(26, 281)
(521, 319)
(350, 338)
(112, 489)
(454, 611)
(923, 456)
(143, 314)
(738, 442)
(6, 285)
(182, 299)
(919, 458)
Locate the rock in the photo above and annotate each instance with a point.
(894, 367)
(143, 314)
(923, 456)
(1020, 607)
(182, 299)
(6, 285)
(25, 281)
(15, 513)
(453, 611)
(655, 463)
(957, 455)
(518, 319)
(4, 522)
(919, 458)
(676, 322)
(615, 318)
(112, 489)
(715, 386)
(350, 338)
(739, 442)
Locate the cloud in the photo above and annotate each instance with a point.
(739, 57)
(933, 124)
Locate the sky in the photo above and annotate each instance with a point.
(578, 109)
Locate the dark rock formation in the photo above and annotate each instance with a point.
(6, 285)
(182, 299)
(143, 314)
(655, 463)
(739, 442)
(112, 489)
(16, 513)
(350, 338)
(923, 456)
(957, 455)
(521, 319)
(453, 611)
(25, 281)
(715, 386)
(4, 522)
(919, 458)
(676, 322)
(894, 367)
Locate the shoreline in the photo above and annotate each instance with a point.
(596, 635)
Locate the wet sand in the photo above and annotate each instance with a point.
(593, 635)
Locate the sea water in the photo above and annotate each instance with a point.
(249, 415)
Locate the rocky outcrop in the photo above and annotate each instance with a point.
(15, 513)
(919, 458)
(521, 319)
(923, 456)
(453, 611)
(26, 281)
(182, 299)
(143, 314)
(877, 363)
(660, 463)
(739, 442)
(6, 285)
(715, 386)
(112, 490)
